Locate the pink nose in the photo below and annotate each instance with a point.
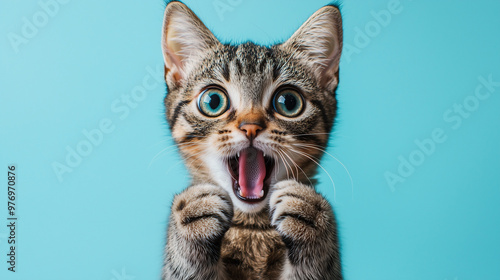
(250, 129)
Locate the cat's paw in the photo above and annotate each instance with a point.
(202, 212)
(298, 212)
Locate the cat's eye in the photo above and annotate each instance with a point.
(288, 102)
(213, 102)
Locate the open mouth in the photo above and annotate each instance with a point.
(251, 171)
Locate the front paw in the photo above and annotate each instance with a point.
(202, 212)
(298, 212)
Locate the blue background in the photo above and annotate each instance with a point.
(106, 219)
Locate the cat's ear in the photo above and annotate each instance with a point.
(185, 39)
(319, 42)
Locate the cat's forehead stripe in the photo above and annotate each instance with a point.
(225, 71)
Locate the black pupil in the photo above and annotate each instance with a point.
(290, 102)
(214, 101)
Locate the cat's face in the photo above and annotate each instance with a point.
(247, 116)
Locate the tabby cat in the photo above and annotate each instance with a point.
(251, 123)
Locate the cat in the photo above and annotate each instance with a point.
(251, 123)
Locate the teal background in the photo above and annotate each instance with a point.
(107, 218)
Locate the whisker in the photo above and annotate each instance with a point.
(159, 153)
(283, 160)
(318, 164)
(199, 166)
(277, 167)
(289, 165)
(309, 134)
(185, 159)
(169, 138)
(297, 166)
(169, 149)
(327, 153)
(291, 162)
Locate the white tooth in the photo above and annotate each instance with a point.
(261, 193)
(240, 192)
(238, 154)
(264, 154)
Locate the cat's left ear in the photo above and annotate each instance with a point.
(319, 42)
(185, 40)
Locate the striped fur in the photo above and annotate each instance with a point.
(212, 234)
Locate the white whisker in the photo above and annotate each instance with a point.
(185, 159)
(297, 166)
(284, 163)
(309, 134)
(291, 162)
(324, 151)
(318, 164)
(169, 149)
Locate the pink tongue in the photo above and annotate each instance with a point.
(252, 172)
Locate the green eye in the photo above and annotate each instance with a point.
(213, 102)
(288, 103)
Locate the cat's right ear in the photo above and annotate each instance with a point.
(185, 39)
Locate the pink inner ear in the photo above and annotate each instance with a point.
(173, 64)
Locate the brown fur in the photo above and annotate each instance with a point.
(252, 248)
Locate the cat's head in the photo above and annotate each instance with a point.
(247, 116)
